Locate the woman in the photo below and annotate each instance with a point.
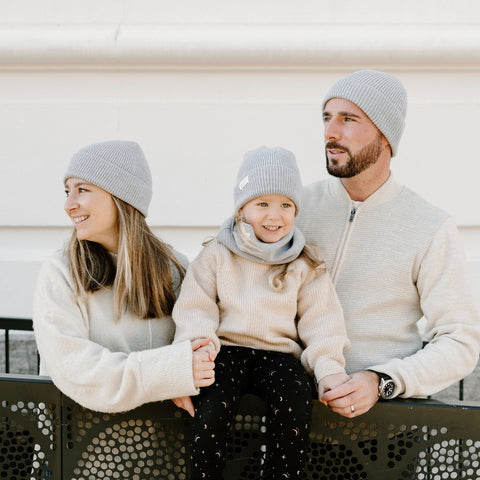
(102, 306)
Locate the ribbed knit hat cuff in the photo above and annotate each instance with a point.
(133, 188)
(267, 180)
(138, 197)
(266, 171)
(380, 96)
(387, 120)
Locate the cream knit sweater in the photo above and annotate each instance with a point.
(228, 298)
(103, 364)
(394, 260)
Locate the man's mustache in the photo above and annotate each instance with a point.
(335, 145)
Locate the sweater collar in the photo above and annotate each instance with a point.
(389, 190)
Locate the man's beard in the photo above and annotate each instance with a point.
(355, 164)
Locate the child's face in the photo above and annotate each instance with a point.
(271, 216)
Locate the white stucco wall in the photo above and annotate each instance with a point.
(199, 83)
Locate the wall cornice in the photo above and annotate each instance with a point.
(312, 46)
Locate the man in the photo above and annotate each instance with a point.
(393, 257)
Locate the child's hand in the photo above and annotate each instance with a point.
(210, 349)
(203, 366)
(330, 382)
(185, 403)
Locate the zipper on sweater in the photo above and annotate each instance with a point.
(346, 236)
(353, 211)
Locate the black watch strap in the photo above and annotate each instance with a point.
(386, 385)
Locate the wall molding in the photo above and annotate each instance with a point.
(312, 46)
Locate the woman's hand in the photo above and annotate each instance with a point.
(185, 403)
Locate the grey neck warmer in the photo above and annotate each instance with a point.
(240, 239)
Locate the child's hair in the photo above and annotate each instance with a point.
(276, 279)
(142, 278)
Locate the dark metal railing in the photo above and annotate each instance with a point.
(46, 436)
(12, 323)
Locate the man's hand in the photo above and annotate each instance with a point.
(203, 362)
(354, 397)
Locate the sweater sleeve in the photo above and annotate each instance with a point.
(321, 326)
(196, 313)
(90, 373)
(452, 321)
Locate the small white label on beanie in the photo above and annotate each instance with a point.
(242, 184)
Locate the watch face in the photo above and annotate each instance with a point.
(388, 388)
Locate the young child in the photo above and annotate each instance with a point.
(270, 309)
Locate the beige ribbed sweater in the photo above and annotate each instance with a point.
(228, 298)
(398, 258)
(103, 364)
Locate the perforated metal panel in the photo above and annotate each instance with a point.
(150, 442)
(45, 436)
(421, 441)
(29, 430)
(153, 442)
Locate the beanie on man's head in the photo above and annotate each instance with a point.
(380, 95)
(118, 167)
(266, 171)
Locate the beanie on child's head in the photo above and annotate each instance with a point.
(266, 171)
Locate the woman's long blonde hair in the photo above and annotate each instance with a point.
(145, 275)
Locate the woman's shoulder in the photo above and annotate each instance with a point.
(55, 274)
(57, 261)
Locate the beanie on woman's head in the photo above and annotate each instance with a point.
(118, 167)
(381, 96)
(266, 171)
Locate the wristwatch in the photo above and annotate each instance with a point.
(386, 386)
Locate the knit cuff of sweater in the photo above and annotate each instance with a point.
(328, 368)
(167, 372)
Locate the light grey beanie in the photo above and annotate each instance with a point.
(267, 171)
(118, 167)
(380, 95)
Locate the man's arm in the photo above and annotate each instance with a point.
(452, 321)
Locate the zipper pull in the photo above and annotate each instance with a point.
(352, 214)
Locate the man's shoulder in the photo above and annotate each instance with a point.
(318, 186)
(314, 191)
(413, 203)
